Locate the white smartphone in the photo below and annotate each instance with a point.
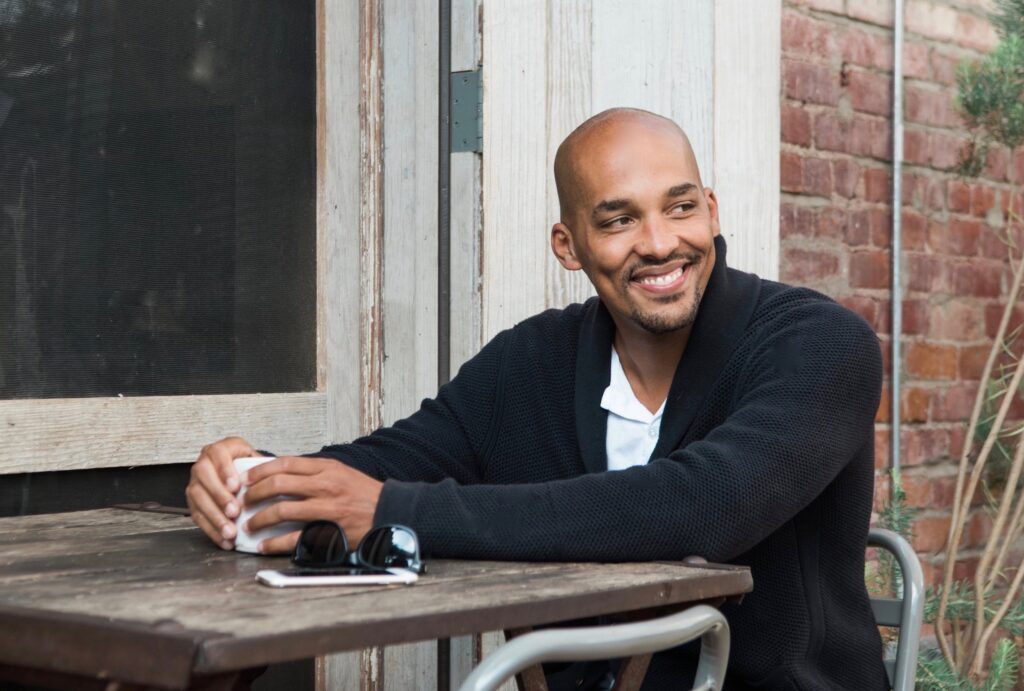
(343, 575)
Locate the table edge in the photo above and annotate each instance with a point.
(226, 653)
(96, 648)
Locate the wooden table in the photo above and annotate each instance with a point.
(145, 599)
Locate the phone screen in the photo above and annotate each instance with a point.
(342, 575)
(333, 571)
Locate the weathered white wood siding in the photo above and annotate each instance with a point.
(746, 131)
(548, 65)
(410, 58)
(350, 225)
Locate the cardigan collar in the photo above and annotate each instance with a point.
(725, 310)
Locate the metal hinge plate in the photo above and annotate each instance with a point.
(467, 102)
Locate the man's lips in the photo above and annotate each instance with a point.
(664, 281)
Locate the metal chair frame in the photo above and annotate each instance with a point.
(612, 641)
(906, 612)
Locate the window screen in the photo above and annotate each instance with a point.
(157, 197)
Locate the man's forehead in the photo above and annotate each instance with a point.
(624, 157)
(621, 131)
(616, 148)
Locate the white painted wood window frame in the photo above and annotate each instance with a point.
(81, 433)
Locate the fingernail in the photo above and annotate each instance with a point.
(228, 531)
(245, 478)
(259, 548)
(231, 509)
(226, 544)
(232, 484)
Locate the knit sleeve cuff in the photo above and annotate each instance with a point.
(398, 503)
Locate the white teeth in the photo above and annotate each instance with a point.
(661, 280)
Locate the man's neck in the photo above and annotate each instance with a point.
(650, 361)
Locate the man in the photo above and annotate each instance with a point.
(689, 410)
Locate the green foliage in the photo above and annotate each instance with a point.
(991, 98)
(1008, 18)
(899, 518)
(1013, 622)
(934, 674)
(896, 515)
(959, 606)
(1002, 671)
(991, 92)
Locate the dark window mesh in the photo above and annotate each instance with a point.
(157, 197)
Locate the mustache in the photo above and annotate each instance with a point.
(687, 257)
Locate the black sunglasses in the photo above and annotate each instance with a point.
(322, 544)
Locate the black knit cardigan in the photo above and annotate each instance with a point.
(765, 459)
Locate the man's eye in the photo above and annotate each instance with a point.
(684, 207)
(618, 222)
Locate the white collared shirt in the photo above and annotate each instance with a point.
(632, 429)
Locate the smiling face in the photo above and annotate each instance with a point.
(636, 220)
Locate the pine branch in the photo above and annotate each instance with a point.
(1002, 672)
(1008, 17)
(935, 674)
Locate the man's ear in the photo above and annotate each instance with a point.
(712, 200)
(563, 247)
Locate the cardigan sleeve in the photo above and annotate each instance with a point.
(445, 438)
(803, 412)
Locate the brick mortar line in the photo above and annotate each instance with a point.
(945, 49)
(838, 244)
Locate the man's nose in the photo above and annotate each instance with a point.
(656, 239)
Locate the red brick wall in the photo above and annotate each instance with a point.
(836, 225)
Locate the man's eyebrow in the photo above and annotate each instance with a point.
(680, 190)
(609, 205)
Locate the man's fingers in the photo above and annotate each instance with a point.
(306, 510)
(202, 504)
(207, 477)
(293, 465)
(223, 454)
(283, 544)
(301, 486)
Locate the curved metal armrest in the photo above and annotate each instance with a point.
(912, 612)
(613, 641)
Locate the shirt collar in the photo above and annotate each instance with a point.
(620, 400)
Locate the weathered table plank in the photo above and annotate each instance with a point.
(93, 586)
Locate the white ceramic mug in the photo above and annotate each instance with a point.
(249, 542)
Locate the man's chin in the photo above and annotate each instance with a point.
(668, 314)
(660, 323)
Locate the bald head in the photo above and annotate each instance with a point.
(609, 128)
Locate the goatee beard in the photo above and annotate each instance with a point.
(659, 324)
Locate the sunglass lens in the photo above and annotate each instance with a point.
(321, 543)
(391, 547)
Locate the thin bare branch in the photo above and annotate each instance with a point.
(956, 525)
(1016, 527)
(977, 654)
(982, 573)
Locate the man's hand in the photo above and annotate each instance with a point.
(211, 490)
(322, 489)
